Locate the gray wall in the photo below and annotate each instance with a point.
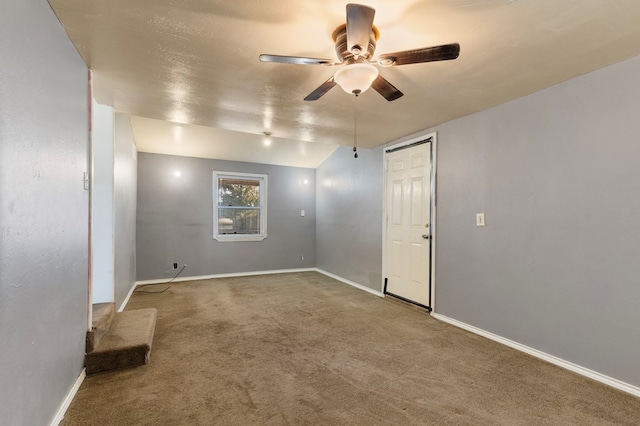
(125, 175)
(349, 210)
(558, 175)
(175, 222)
(43, 213)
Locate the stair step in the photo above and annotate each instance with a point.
(127, 343)
(101, 318)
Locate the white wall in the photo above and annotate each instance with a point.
(125, 175)
(102, 250)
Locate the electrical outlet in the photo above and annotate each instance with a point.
(302, 257)
(175, 265)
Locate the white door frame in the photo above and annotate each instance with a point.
(434, 150)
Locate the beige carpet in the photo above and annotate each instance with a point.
(303, 349)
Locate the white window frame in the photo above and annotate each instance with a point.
(263, 207)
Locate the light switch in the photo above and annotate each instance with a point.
(479, 219)
(302, 213)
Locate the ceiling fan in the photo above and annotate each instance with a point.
(355, 43)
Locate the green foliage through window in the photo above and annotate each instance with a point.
(238, 192)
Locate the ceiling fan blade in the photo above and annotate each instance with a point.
(299, 60)
(386, 89)
(427, 54)
(359, 27)
(321, 90)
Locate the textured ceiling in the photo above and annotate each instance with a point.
(196, 62)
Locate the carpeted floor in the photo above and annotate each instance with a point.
(303, 349)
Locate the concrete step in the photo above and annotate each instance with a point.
(127, 343)
(101, 318)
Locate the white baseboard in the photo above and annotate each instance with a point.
(231, 275)
(351, 283)
(67, 400)
(610, 381)
(126, 299)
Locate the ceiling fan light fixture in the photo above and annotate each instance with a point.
(356, 78)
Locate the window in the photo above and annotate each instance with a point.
(239, 206)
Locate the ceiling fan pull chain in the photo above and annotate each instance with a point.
(355, 126)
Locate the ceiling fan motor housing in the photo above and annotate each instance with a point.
(339, 37)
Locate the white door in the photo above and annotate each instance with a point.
(408, 233)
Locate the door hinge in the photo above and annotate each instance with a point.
(85, 179)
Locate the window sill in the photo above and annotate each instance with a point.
(238, 238)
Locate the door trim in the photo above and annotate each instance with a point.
(392, 147)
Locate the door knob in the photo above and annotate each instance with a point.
(425, 236)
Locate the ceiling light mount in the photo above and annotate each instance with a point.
(267, 138)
